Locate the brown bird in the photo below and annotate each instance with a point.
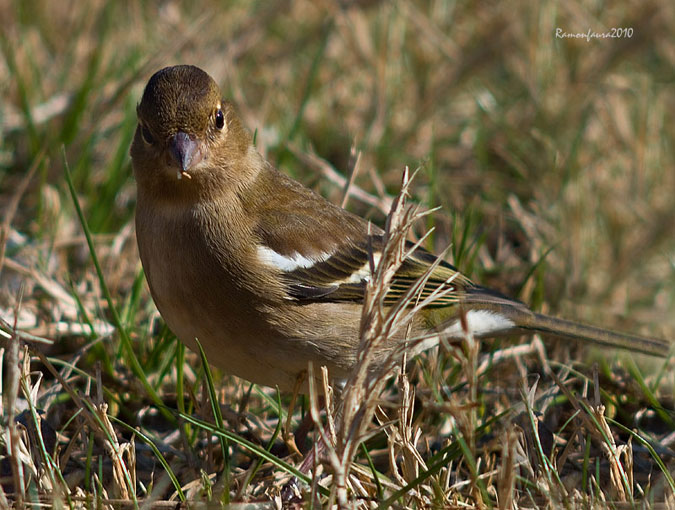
(267, 274)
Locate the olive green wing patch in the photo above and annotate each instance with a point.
(343, 276)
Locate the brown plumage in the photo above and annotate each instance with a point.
(267, 274)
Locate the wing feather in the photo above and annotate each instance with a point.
(343, 276)
(327, 261)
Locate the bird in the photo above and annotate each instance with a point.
(267, 274)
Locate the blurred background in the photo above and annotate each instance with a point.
(551, 159)
(547, 155)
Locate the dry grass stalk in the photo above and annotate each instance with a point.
(379, 325)
(544, 472)
(403, 438)
(18, 453)
(123, 475)
(507, 471)
(95, 415)
(30, 453)
(11, 208)
(312, 160)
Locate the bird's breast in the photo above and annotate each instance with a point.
(203, 287)
(192, 282)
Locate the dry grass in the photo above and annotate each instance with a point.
(552, 161)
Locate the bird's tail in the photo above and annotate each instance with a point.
(569, 329)
(516, 316)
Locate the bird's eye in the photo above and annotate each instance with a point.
(220, 119)
(147, 135)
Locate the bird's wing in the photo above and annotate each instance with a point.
(323, 251)
(341, 273)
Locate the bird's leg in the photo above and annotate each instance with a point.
(291, 492)
(289, 438)
(302, 431)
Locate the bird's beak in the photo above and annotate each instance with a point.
(185, 152)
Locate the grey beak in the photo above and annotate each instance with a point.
(183, 149)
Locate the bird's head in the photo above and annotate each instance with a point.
(185, 128)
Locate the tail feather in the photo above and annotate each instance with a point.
(515, 314)
(570, 329)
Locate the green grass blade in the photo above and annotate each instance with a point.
(136, 367)
(218, 416)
